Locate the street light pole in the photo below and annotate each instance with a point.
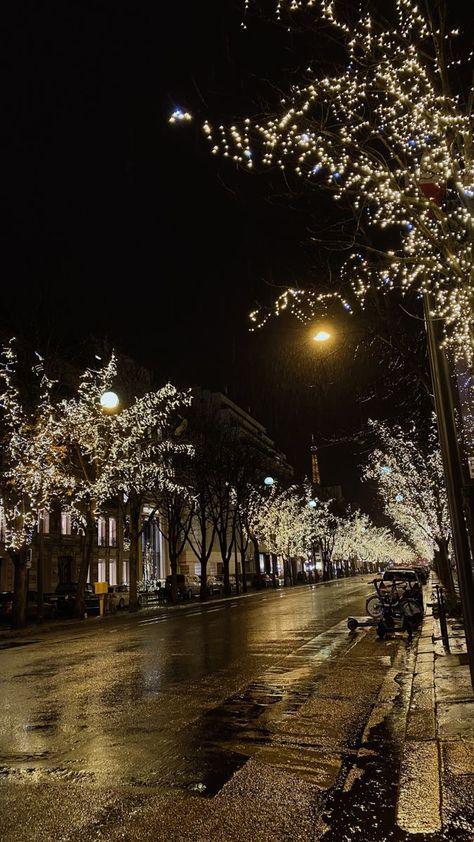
(441, 380)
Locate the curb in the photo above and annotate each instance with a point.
(438, 754)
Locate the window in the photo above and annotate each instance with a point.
(125, 572)
(112, 532)
(66, 523)
(101, 571)
(101, 533)
(112, 572)
(43, 521)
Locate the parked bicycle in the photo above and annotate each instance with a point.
(400, 607)
(392, 590)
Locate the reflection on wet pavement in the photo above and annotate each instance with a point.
(268, 697)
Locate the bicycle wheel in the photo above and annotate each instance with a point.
(374, 607)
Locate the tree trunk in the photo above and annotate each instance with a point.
(443, 566)
(88, 548)
(256, 557)
(19, 560)
(174, 581)
(134, 512)
(243, 561)
(204, 593)
(40, 578)
(237, 583)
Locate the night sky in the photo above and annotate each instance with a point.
(119, 225)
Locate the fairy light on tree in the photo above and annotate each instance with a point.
(129, 453)
(413, 491)
(389, 134)
(29, 465)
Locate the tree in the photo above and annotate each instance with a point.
(409, 479)
(126, 454)
(177, 510)
(142, 461)
(276, 521)
(321, 528)
(30, 462)
(389, 134)
(359, 539)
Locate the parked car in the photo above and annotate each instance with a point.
(122, 595)
(215, 585)
(423, 573)
(65, 597)
(408, 577)
(6, 606)
(49, 606)
(266, 581)
(188, 585)
(401, 574)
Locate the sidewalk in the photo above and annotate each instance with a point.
(436, 791)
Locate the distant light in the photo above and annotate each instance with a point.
(109, 400)
(316, 169)
(268, 481)
(179, 116)
(386, 469)
(469, 193)
(312, 504)
(322, 336)
(398, 498)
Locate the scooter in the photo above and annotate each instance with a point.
(405, 615)
(353, 623)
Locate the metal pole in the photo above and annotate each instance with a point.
(440, 376)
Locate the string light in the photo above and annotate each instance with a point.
(386, 133)
(410, 483)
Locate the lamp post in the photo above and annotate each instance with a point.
(110, 404)
(453, 474)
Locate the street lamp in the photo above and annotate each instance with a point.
(109, 401)
(268, 481)
(322, 336)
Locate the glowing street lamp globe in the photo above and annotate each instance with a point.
(322, 336)
(268, 481)
(312, 504)
(109, 401)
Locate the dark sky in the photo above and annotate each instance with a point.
(120, 225)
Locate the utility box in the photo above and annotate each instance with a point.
(101, 587)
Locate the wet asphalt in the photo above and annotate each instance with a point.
(259, 717)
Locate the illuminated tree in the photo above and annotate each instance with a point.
(409, 479)
(388, 131)
(358, 538)
(29, 463)
(128, 453)
(321, 527)
(275, 520)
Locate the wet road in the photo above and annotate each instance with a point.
(240, 719)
